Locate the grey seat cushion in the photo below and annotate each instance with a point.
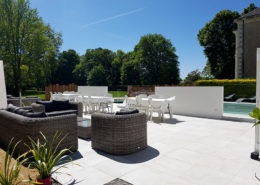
(63, 112)
(35, 114)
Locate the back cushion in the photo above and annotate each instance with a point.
(127, 112)
(21, 111)
(61, 105)
(49, 107)
(12, 108)
(35, 114)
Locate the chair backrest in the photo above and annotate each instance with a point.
(59, 96)
(155, 104)
(66, 92)
(79, 99)
(86, 100)
(152, 96)
(138, 100)
(142, 96)
(130, 103)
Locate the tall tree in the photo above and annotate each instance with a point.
(92, 58)
(24, 41)
(192, 77)
(250, 8)
(66, 64)
(116, 67)
(206, 72)
(157, 62)
(218, 41)
(97, 76)
(80, 73)
(130, 73)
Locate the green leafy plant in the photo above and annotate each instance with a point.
(256, 115)
(11, 172)
(46, 155)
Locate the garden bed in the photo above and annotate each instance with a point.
(25, 173)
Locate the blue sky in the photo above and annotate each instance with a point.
(119, 24)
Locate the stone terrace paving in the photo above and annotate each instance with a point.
(182, 151)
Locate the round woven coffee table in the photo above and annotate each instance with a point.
(84, 127)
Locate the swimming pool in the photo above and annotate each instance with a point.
(238, 108)
(228, 107)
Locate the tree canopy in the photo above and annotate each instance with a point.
(155, 60)
(192, 77)
(91, 59)
(97, 76)
(250, 8)
(218, 41)
(27, 45)
(66, 63)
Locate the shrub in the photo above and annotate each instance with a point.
(11, 172)
(245, 88)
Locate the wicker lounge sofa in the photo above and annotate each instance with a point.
(119, 134)
(19, 127)
(56, 108)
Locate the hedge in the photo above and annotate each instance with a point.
(244, 88)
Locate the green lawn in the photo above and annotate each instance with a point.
(118, 93)
(41, 94)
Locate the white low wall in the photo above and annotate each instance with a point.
(195, 101)
(3, 100)
(93, 90)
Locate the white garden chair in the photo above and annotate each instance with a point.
(143, 105)
(159, 107)
(130, 103)
(59, 96)
(171, 101)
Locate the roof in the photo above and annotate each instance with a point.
(254, 13)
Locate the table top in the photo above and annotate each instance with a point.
(153, 99)
(84, 122)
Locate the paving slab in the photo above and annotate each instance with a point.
(183, 151)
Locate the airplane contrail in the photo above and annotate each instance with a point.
(114, 17)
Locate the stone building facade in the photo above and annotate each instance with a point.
(247, 42)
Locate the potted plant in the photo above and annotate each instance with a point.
(45, 156)
(256, 115)
(11, 172)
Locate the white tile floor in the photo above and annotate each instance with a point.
(182, 151)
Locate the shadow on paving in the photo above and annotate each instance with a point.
(74, 156)
(166, 121)
(138, 157)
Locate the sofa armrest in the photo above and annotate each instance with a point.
(19, 127)
(38, 107)
(77, 106)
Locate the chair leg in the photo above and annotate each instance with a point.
(170, 115)
(162, 118)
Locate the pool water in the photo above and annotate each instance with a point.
(118, 100)
(229, 107)
(238, 108)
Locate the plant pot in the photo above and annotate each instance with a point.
(46, 181)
